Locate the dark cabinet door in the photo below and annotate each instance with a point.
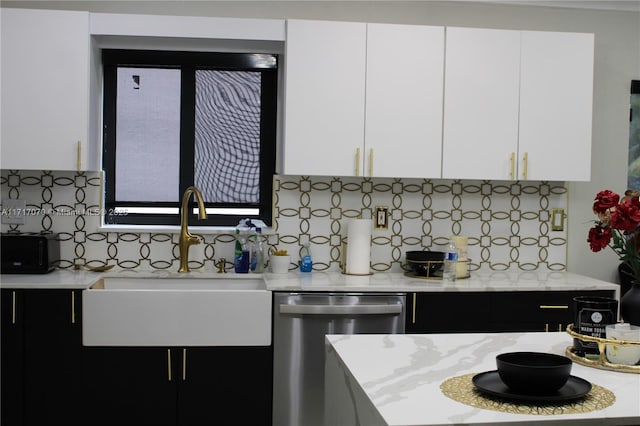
(514, 311)
(52, 356)
(230, 386)
(177, 386)
(11, 358)
(130, 386)
(454, 312)
(537, 310)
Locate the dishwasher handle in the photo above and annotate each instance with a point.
(342, 309)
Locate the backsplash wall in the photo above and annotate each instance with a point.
(508, 223)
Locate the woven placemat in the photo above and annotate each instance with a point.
(461, 389)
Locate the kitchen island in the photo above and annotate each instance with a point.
(395, 380)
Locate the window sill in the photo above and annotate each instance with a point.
(163, 229)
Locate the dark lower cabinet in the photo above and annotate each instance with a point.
(53, 356)
(42, 343)
(129, 386)
(454, 312)
(229, 386)
(11, 358)
(178, 386)
(48, 378)
(492, 311)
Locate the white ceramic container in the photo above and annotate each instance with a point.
(618, 354)
(280, 264)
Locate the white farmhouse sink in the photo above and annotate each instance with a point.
(176, 312)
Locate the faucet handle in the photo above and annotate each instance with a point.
(222, 263)
(195, 239)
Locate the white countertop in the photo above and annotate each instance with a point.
(57, 279)
(479, 281)
(396, 379)
(331, 281)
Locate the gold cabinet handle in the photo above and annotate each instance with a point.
(513, 166)
(371, 162)
(413, 310)
(79, 155)
(560, 327)
(184, 364)
(554, 306)
(13, 307)
(525, 160)
(73, 307)
(546, 327)
(357, 161)
(169, 363)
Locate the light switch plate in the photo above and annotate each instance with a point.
(13, 211)
(557, 219)
(382, 217)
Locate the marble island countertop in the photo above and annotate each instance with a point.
(395, 380)
(332, 281)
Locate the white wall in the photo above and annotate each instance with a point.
(617, 62)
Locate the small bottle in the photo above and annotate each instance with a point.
(450, 262)
(253, 251)
(306, 264)
(241, 256)
(259, 251)
(237, 252)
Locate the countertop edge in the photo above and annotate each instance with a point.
(335, 281)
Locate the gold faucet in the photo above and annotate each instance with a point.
(186, 239)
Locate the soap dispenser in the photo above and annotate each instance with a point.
(306, 264)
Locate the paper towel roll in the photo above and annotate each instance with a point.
(358, 246)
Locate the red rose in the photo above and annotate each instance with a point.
(605, 200)
(598, 238)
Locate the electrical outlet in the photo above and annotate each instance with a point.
(557, 219)
(13, 211)
(382, 217)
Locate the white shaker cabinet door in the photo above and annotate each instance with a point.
(403, 125)
(324, 98)
(45, 90)
(481, 103)
(556, 98)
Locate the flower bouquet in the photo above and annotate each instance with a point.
(617, 227)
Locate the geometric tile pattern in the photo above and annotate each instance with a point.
(507, 223)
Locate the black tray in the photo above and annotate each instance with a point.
(490, 383)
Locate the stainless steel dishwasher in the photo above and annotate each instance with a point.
(300, 322)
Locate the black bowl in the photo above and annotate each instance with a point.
(533, 373)
(424, 263)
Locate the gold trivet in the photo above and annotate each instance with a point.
(461, 389)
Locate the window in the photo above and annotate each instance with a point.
(176, 119)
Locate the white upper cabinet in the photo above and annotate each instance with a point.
(556, 98)
(363, 99)
(45, 90)
(324, 97)
(481, 103)
(518, 105)
(403, 124)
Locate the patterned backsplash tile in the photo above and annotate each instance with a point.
(508, 223)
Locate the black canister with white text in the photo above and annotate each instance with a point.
(592, 315)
